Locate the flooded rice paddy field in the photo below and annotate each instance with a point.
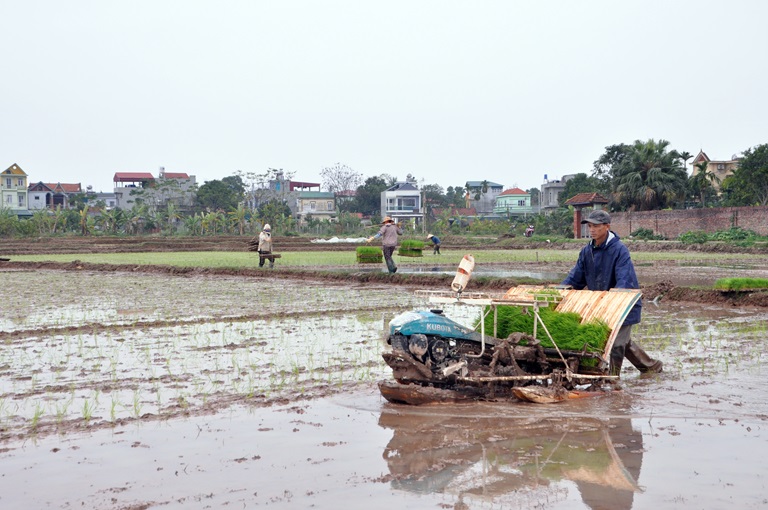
(137, 391)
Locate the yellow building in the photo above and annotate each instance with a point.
(13, 190)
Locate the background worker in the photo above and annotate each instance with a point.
(388, 233)
(435, 243)
(605, 264)
(265, 246)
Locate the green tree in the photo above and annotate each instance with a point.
(368, 196)
(535, 197)
(194, 224)
(702, 183)
(223, 194)
(685, 156)
(239, 218)
(606, 166)
(580, 183)
(113, 220)
(749, 183)
(648, 177)
(275, 213)
(455, 196)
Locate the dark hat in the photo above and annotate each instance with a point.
(597, 217)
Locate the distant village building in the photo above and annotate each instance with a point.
(513, 202)
(13, 191)
(314, 204)
(721, 169)
(142, 187)
(549, 198)
(50, 196)
(403, 202)
(482, 201)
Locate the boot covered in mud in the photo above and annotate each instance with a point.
(391, 266)
(617, 358)
(271, 264)
(641, 360)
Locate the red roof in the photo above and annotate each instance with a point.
(587, 199)
(514, 191)
(175, 175)
(66, 188)
(132, 176)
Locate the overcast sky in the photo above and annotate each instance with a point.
(506, 91)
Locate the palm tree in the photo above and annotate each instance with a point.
(649, 177)
(685, 156)
(704, 180)
(238, 217)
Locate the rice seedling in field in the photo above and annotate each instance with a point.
(741, 284)
(369, 255)
(411, 248)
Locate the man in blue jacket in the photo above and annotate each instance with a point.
(605, 264)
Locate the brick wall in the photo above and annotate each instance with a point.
(671, 224)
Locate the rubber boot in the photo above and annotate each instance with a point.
(391, 266)
(640, 359)
(617, 358)
(271, 264)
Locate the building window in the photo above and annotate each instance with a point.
(9, 200)
(21, 200)
(330, 205)
(312, 206)
(521, 203)
(20, 182)
(8, 182)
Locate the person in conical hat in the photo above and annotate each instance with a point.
(388, 233)
(435, 243)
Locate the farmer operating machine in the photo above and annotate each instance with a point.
(547, 344)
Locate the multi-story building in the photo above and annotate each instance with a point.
(481, 195)
(403, 202)
(315, 204)
(721, 169)
(169, 187)
(13, 191)
(549, 197)
(44, 195)
(513, 202)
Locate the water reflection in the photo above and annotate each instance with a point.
(495, 459)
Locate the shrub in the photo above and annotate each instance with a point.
(694, 237)
(369, 255)
(734, 234)
(647, 234)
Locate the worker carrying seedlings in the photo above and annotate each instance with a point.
(435, 244)
(265, 246)
(605, 264)
(388, 233)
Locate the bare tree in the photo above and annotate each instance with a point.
(340, 178)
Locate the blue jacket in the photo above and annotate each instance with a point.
(606, 267)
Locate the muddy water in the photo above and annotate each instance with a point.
(223, 393)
